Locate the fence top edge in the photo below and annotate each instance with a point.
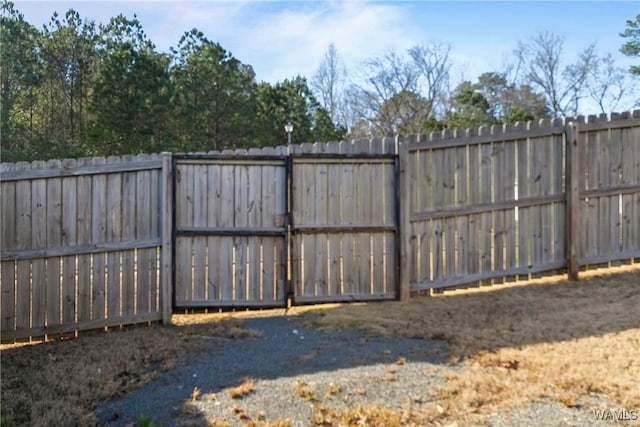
(346, 146)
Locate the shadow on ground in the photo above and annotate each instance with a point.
(427, 329)
(285, 348)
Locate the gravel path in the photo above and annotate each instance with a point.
(291, 367)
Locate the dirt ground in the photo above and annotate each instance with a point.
(509, 344)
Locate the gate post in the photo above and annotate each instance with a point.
(573, 200)
(403, 198)
(166, 218)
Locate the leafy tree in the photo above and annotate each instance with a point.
(292, 100)
(131, 91)
(69, 58)
(404, 114)
(632, 47)
(214, 100)
(470, 108)
(508, 102)
(20, 75)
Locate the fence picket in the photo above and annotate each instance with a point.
(8, 209)
(23, 237)
(83, 227)
(98, 235)
(54, 239)
(39, 240)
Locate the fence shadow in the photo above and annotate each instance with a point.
(287, 347)
(433, 330)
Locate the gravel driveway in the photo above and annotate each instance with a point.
(292, 366)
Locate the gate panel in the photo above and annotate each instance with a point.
(344, 227)
(229, 231)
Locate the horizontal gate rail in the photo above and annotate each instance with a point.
(343, 158)
(365, 228)
(195, 231)
(232, 158)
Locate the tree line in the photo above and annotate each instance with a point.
(74, 88)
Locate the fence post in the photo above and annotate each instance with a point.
(573, 200)
(166, 206)
(403, 197)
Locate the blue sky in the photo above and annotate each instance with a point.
(283, 39)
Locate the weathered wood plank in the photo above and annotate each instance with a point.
(114, 233)
(615, 179)
(508, 193)
(85, 326)
(592, 208)
(183, 269)
(321, 215)
(305, 213)
(144, 212)
(240, 243)
(200, 256)
(8, 236)
(98, 235)
(213, 242)
(498, 194)
(334, 189)
(348, 205)
(83, 227)
(128, 233)
(166, 203)
(546, 187)
(630, 212)
(363, 205)
(475, 182)
(406, 232)
(225, 258)
(69, 170)
(38, 240)
(69, 238)
(487, 232)
(486, 276)
(23, 241)
(425, 201)
(522, 148)
(268, 212)
(604, 203)
(391, 241)
(254, 208)
(558, 158)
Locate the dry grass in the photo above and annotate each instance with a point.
(554, 338)
(242, 389)
(60, 382)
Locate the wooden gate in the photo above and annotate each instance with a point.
(239, 216)
(229, 230)
(344, 229)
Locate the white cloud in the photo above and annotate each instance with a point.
(284, 41)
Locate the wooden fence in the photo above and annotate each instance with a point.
(344, 225)
(496, 203)
(80, 244)
(97, 242)
(229, 229)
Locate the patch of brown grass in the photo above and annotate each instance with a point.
(60, 382)
(242, 389)
(553, 338)
(374, 416)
